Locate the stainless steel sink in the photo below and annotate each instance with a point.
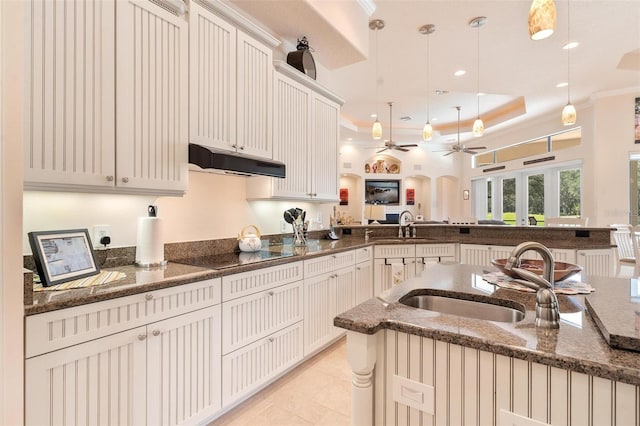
(464, 308)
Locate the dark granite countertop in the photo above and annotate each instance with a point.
(578, 345)
(140, 280)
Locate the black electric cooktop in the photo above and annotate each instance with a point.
(229, 260)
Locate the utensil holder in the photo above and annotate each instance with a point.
(298, 235)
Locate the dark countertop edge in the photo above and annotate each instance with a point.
(584, 366)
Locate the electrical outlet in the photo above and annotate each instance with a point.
(100, 231)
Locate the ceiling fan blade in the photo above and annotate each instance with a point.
(448, 153)
(399, 148)
(382, 150)
(468, 151)
(476, 147)
(410, 145)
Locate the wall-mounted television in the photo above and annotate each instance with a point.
(382, 191)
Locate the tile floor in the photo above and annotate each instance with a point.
(317, 392)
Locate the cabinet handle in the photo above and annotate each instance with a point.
(125, 180)
(156, 332)
(242, 147)
(334, 256)
(109, 178)
(142, 337)
(358, 268)
(489, 248)
(148, 296)
(270, 339)
(270, 293)
(234, 145)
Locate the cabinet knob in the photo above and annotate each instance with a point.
(156, 332)
(234, 145)
(142, 336)
(270, 293)
(125, 180)
(148, 296)
(241, 148)
(109, 178)
(334, 256)
(270, 339)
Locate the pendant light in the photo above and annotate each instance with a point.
(478, 125)
(542, 19)
(427, 130)
(376, 131)
(569, 111)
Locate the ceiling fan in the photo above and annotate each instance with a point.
(390, 144)
(461, 148)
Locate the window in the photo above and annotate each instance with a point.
(527, 197)
(556, 142)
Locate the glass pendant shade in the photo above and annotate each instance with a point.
(376, 131)
(478, 128)
(569, 115)
(542, 19)
(427, 132)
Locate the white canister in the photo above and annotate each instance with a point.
(249, 241)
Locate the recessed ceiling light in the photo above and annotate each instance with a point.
(434, 119)
(563, 84)
(570, 45)
(374, 115)
(481, 94)
(459, 73)
(441, 92)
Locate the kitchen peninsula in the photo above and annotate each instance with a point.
(416, 366)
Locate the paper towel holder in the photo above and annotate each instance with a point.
(152, 211)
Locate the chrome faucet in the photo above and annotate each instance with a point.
(400, 235)
(547, 309)
(367, 232)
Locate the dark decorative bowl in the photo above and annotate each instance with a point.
(561, 271)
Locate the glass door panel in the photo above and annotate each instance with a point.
(535, 199)
(509, 201)
(570, 194)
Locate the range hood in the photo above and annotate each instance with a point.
(215, 160)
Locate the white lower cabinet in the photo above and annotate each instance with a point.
(430, 254)
(262, 327)
(167, 372)
(151, 358)
(102, 381)
(421, 381)
(254, 365)
(593, 261)
(325, 296)
(393, 264)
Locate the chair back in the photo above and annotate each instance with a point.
(623, 239)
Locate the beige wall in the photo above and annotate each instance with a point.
(215, 206)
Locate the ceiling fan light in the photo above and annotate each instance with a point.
(542, 19)
(376, 131)
(478, 128)
(427, 132)
(569, 115)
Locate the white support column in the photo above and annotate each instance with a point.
(361, 353)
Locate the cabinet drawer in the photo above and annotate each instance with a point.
(364, 254)
(245, 283)
(253, 317)
(395, 251)
(254, 365)
(58, 329)
(436, 250)
(324, 264)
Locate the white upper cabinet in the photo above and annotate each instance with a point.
(306, 132)
(106, 112)
(151, 96)
(69, 134)
(230, 81)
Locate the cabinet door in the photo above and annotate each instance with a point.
(69, 136)
(345, 282)
(184, 368)
(212, 79)
(323, 161)
(100, 382)
(481, 255)
(364, 281)
(255, 84)
(151, 97)
(292, 135)
(596, 262)
(319, 306)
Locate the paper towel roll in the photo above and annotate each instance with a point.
(150, 245)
